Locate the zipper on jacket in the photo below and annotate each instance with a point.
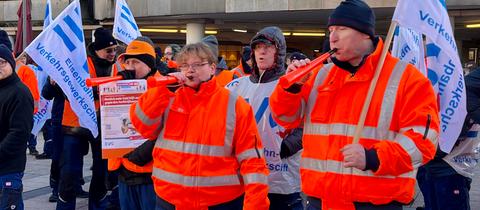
(427, 127)
(256, 148)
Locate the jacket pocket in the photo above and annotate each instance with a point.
(322, 106)
(11, 194)
(176, 124)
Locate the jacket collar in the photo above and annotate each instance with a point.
(13, 78)
(366, 71)
(206, 89)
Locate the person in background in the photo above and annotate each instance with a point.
(443, 184)
(245, 66)
(134, 169)
(101, 58)
(16, 121)
(171, 52)
(282, 147)
(222, 74)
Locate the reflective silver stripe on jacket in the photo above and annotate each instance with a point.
(348, 130)
(255, 178)
(290, 119)
(249, 153)
(333, 166)
(390, 96)
(194, 181)
(144, 118)
(432, 135)
(319, 79)
(381, 132)
(204, 150)
(409, 145)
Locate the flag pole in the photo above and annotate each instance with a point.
(24, 24)
(373, 84)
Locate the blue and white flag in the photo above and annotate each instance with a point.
(44, 106)
(48, 15)
(60, 51)
(125, 28)
(408, 47)
(445, 71)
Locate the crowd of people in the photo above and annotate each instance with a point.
(237, 138)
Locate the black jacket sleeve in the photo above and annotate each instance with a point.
(50, 91)
(142, 154)
(20, 121)
(292, 143)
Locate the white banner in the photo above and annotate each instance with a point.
(408, 47)
(125, 28)
(60, 51)
(44, 106)
(445, 71)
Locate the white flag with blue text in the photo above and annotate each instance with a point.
(125, 28)
(44, 106)
(430, 17)
(60, 51)
(408, 47)
(48, 15)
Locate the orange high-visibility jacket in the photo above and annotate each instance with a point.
(402, 125)
(27, 76)
(115, 163)
(208, 150)
(239, 71)
(224, 77)
(69, 117)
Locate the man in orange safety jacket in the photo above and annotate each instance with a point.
(208, 153)
(401, 126)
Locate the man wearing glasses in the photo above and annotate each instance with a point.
(101, 63)
(16, 114)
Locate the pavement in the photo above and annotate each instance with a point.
(36, 188)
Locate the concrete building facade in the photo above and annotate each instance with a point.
(234, 22)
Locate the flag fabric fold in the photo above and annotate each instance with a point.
(430, 17)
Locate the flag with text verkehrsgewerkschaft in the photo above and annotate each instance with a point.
(60, 51)
(430, 17)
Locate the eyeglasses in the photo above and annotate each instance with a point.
(111, 50)
(195, 66)
(3, 63)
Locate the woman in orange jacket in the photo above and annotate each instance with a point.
(208, 154)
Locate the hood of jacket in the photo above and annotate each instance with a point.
(275, 35)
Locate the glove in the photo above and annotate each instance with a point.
(127, 74)
(292, 143)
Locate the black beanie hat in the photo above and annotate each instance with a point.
(6, 54)
(103, 39)
(4, 39)
(355, 14)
